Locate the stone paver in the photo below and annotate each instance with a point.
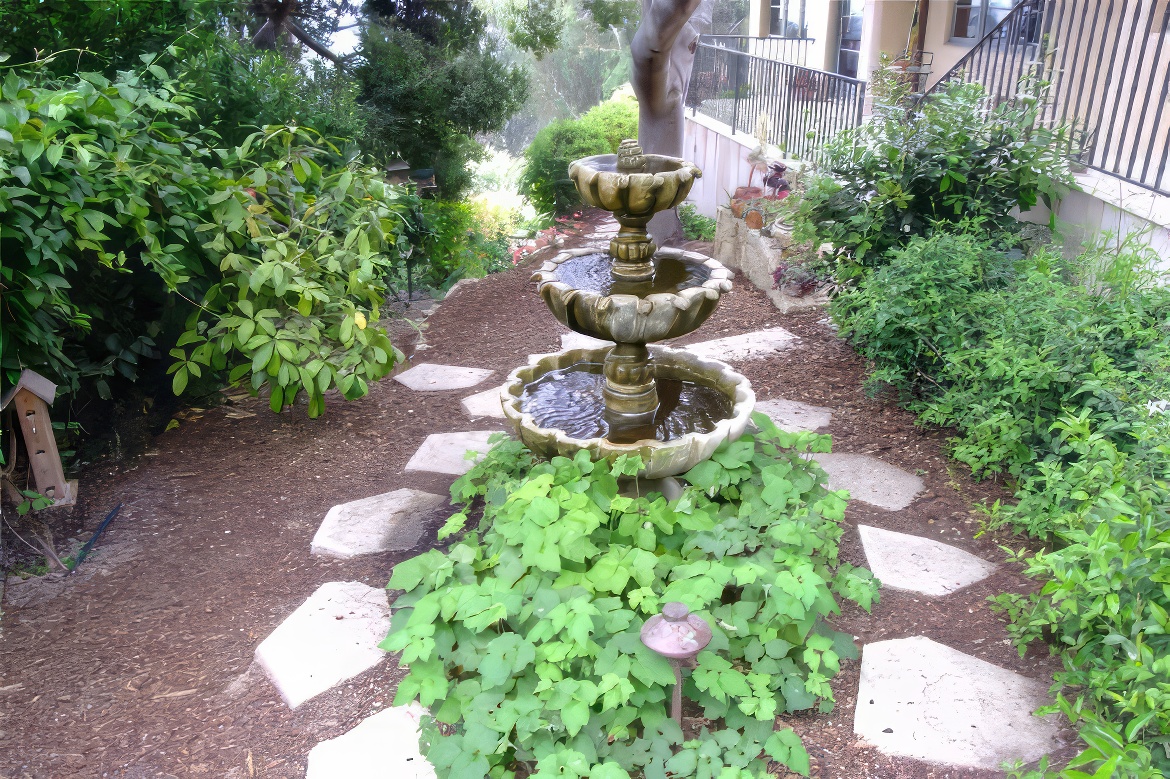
(749, 346)
(918, 564)
(432, 377)
(382, 746)
(331, 637)
(918, 698)
(444, 452)
(382, 523)
(794, 416)
(579, 341)
(870, 480)
(484, 404)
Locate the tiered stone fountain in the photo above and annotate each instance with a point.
(669, 406)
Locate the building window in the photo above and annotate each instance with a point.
(849, 41)
(788, 19)
(975, 18)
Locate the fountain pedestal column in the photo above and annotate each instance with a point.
(631, 394)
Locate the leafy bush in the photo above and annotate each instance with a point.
(546, 173)
(696, 227)
(1001, 348)
(953, 157)
(525, 634)
(1058, 383)
(112, 218)
(615, 119)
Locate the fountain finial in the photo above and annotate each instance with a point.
(630, 157)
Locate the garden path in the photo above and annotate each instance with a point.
(142, 666)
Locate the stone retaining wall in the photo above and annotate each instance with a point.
(755, 257)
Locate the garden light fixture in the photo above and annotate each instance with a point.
(678, 636)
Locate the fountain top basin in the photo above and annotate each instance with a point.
(631, 184)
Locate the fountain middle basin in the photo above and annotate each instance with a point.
(579, 289)
(555, 405)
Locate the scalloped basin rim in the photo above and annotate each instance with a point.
(717, 282)
(655, 163)
(662, 458)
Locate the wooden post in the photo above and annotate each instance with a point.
(32, 396)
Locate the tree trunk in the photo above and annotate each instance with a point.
(663, 51)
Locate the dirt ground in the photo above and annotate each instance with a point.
(140, 665)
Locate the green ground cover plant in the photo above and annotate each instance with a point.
(523, 638)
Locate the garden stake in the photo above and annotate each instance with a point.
(89, 544)
(678, 636)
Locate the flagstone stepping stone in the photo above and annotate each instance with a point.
(382, 523)
(444, 452)
(870, 480)
(331, 637)
(484, 404)
(432, 377)
(749, 346)
(918, 698)
(918, 564)
(382, 745)
(580, 341)
(794, 416)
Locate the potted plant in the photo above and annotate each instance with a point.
(794, 280)
(758, 161)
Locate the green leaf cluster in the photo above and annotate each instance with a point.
(956, 155)
(112, 217)
(1053, 372)
(524, 635)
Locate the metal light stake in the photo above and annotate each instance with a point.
(678, 636)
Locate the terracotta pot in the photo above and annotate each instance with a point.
(747, 193)
(737, 207)
(754, 219)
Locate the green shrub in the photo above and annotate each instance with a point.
(113, 220)
(999, 347)
(1058, 383)
(615, 119)
(696, 227)
(524, 636)
(953, 157)
(546, 180)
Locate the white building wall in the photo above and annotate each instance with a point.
(722, 158)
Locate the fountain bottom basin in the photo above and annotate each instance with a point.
(555, 406)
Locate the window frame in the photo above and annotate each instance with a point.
(973, 7)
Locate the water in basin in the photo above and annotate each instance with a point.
(591, 272)
(570, 399)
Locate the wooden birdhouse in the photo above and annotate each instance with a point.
(32, 396)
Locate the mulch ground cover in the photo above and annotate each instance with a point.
(140, 664)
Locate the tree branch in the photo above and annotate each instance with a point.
(310, 41)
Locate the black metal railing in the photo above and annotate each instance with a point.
(772, 47)
(804, 107)
(1108, 66)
